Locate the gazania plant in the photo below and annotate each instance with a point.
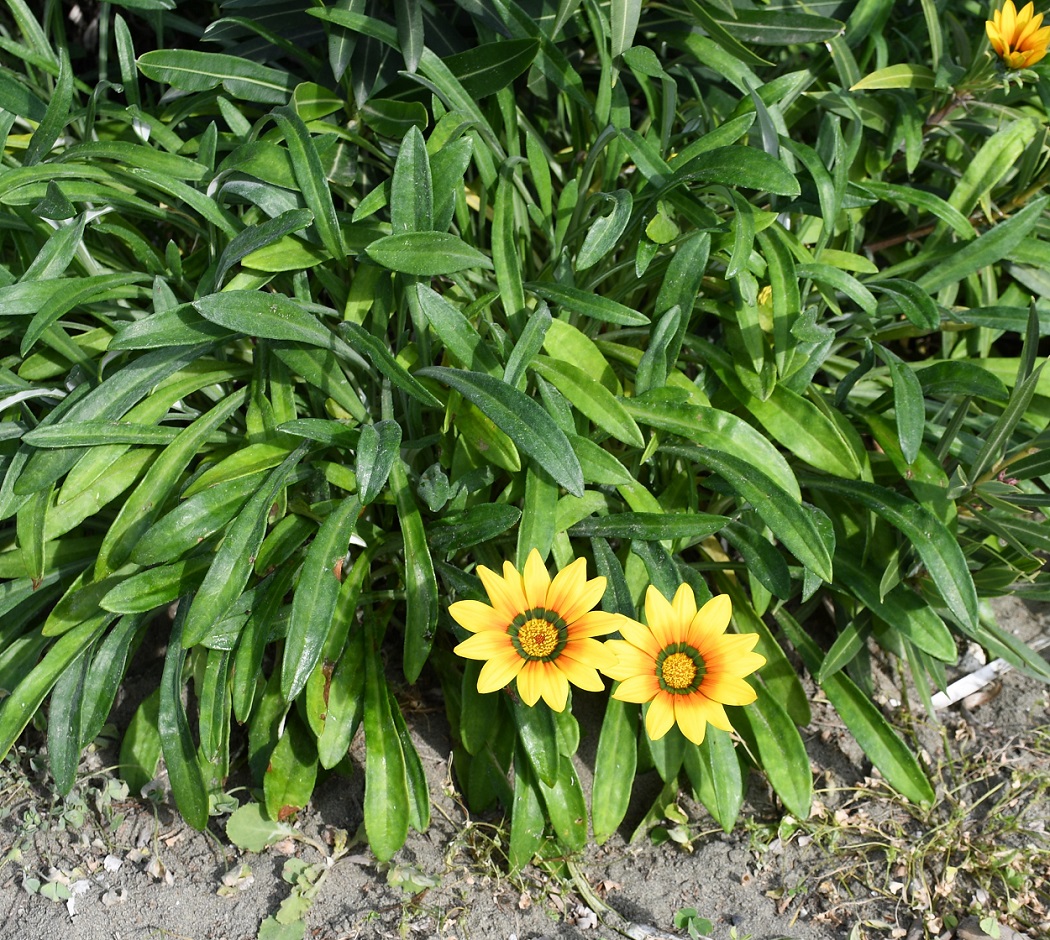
(627, 371)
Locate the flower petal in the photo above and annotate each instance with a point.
(507, 599)
(528, 682)
(581, 674)
(591, 652)
(637, 689)
(660, 716)
(538, 679)
(499, 671)
(567, 584)
(477, 617)
(729, 690)
(691, 718)
(485, 646)
(630, 661)
(640, 636)
(660, 616)
(596, 623)
(993, 37)
(536, 581)
(585, 599)
(711, 621)
(1008, 23)
(684, 603)
(713, 712)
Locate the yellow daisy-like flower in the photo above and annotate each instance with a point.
(1017, 37)
(684, 664)
(538, 631)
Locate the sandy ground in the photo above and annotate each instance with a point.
(101, 866)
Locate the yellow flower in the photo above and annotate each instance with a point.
(1017, 37)
(538, 631)
(684, 664)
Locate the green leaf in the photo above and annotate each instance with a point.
(150, 589)
(454, 532)
(566, 807)
(521, 419)
(615, 763)
(778, 748)
(874, 734)
(790, 522)
(901, 75)
(491, 66)
(537, 732)
(987, 168)
(239, 77)
(587, 304)
(650, 526)
(604, 232)
(623, 22)
(380, 356)
(590, 398)
(937, 547)
(421, 593)
(921, 199)
(426, 254)
(902, 609)
(377, 450)
(140, 750)
(292, 770)
(386, 808)
(250, 829)
(714, 771)
(193, 520)
(310, 176)
(909, 405)
(146, 501)
(313, 604)
(180, 753)
(106, 675)
(256, 237)
(411, 190)
(232, 566)
(456, 332)
(719, 429)
(419, 793)
(528, 816)
(777, 28)
(63, 723)
(20, 706)
(49, 129)
(737, 166)
(988, 248)
(538, 515)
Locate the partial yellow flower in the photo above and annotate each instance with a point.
(539, 631)
(684, 664)
(1017, 37)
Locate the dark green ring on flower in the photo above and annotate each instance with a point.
(546, 616)
(691, 654)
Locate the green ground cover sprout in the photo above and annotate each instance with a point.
(310, 314)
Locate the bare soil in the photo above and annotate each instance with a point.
(101, 865)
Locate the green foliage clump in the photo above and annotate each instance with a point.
(307, 313)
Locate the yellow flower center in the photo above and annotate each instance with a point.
(678, 671)
(538, 638)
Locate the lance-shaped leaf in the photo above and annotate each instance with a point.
(521, 418)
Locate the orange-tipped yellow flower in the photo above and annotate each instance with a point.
(1017, 37)
(684, 664)
(539, 631)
